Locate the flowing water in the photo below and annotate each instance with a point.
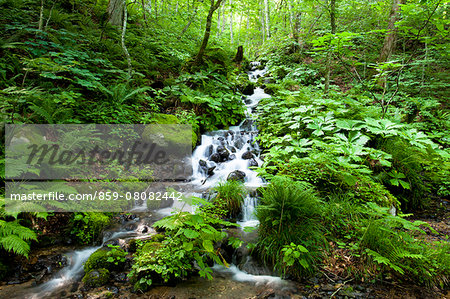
(220, 154)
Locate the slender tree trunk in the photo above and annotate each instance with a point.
(49, 17)
(248, 27)
(41, 16)
(389, 40)
(224, 20)
(189, 23)
(291, 17)
(263, 29)
(143, 12)
(240, 27)
(329, 55)
(267, 17)
(214, 6)
(124, 47)
(115, 11)
(231, 21)
(218, 22)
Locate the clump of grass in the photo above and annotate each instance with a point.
(290, 212)
(230, 197)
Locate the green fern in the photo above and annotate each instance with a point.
(15, 237)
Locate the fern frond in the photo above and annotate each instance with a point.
(15, 244)
(14, 228)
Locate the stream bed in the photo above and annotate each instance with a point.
(221, 155)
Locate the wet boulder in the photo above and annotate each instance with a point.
(101, 259)
(236, 175)
(239, 142)
(252, 162)
(210, 171)
(96, 277)
(247, 155)
(202, 163)
(223, 153)
(203, 166)
(215, 158)
(209, 150)
(232, 157)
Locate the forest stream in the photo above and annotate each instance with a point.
(220, 155)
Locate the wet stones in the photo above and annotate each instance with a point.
(204, 166)
(252, 162)
(215, 158)
(236, 175)
(239, 143)
(247, 155)
(209, 150)
(223, 153)
(210, 171)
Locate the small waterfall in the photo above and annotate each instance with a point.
(77, 258)
(219, 154)
(248, 212)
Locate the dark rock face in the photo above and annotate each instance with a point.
(215, 158)
(252, 162)
(209, 150)
(236, 175)
(223, 153)
(247, 155)
(202, 163)
(210, 170)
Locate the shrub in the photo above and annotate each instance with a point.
(290, 212)
(88, 227)
(390, 242)
(230, 196)
(112, 258)
(189, 238)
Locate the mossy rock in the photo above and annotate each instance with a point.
(99, 259)
(164, 132)
(165, 119)
(96, 277)
(157, 238)
(151, 246)
(244, 84)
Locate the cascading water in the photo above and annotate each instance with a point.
(77, 258)
(221, 154)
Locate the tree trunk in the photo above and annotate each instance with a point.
(214, 6)
(333, 31)
(115, 12)
(239, 55)
(124, 47)
(267, 18)
(189, 23)
(218, 22)
(231, 21)
(389, 40)
(143, 12)
(41, 16)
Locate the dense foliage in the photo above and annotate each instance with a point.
(356, 132)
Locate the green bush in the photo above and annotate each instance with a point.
(112, 258)
(410, 162)
(290, 213)
(230, 196)
(88, 227)
(392, 243)
(189, 238)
